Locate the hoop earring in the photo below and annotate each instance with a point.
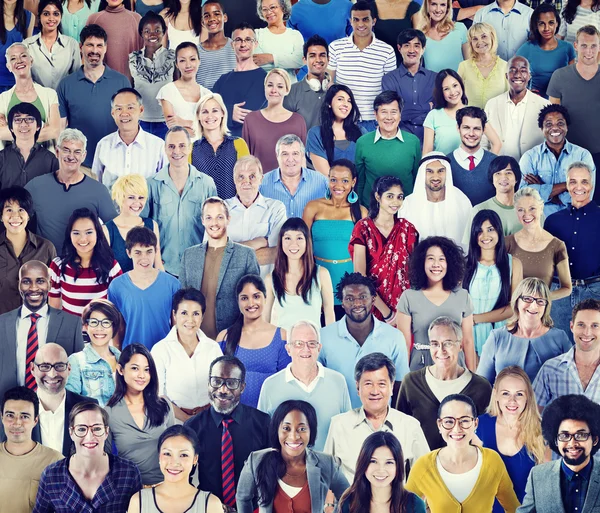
(328, 194)
(352, 197)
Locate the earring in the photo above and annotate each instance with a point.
(328, 194)
(352, 197)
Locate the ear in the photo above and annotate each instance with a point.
(119, 369)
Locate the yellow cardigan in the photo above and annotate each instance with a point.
(493, 482)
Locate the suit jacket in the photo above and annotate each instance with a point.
(531, 134)
(542, 494)
(237, 261)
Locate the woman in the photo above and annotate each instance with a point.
(379, 479)
(576, 14)
(152, 68)
(512, 427)
(278, 46)
(16, 24)
(544, 51)
(114, 481)
(436, 268)
(178, 448)
(529, 338)
(289, 475)
(331, 221)
(484, 74)
(335, 138)
(86, 266)
(76, 14)
(542, 255)
(491, 275)
(298, 288)
(138, 415)
(184, 23)
(392, 18)
(130, 193)
(216, 151)
(144, 7)
(179, 99)
(381, 244)
(55, 55)
(93, 369)
(461, 472)
(262, 129)
(257, 343)
(447, 44)
(183, 357)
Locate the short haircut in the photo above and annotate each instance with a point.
(479, 28)
(586, 304)
(189, 294)
(283, 74)
(581, 165)
(288, 140)
(217, 2)
(590, 30)
(519, 58)
(409, 34)
(363, 5)
(230, 361)
(530, 287)
(286, 7)
(16, 194)
(92, 30)
(176, 129)
(129, 184)
(448, 322)
(315, 40)
(21, 394)
(471, 112)
(17, 43)
(244, 25)
(461, 398)
(354, 279)
(151, 17)
(84, 406)
(215, 200)
(243, 163)
(528, 192)
(502, 162)
(141, 236)
(72, 135)
(553, 107)
(387, 97)
(372, 362)
(107, 308)
(131, 90)
(310, 324)
(25, 109)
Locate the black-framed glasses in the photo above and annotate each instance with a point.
(29, 120)
(47, 367)
(448, 423)
(580, 436)
(230, 383)
(538, 300)
(94, 323)
(299, 344)
(80, 430)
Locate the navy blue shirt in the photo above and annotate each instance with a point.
(574, 486)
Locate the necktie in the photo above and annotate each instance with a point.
(32, 347)
(471, 162)
(227, 470)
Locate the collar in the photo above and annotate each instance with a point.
(235, 203)
(361, 417)
(351, 39)
(140, 139)
(464, 156)
(584, 473)
(60, 411)
(379, 136)
(290, 377)
(403, 71)
(343, 327)
(237, 415)
(92, 356)
(38, 39)
(518, 7)
(522, 102)
(567, 148)
(26, 312)
(31, 239)
(80, 75)
(586, 209)
(163, 174)
(278, 175)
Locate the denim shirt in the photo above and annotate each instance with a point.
(91, 375)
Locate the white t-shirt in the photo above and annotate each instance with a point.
(460, 485)
(442, 389)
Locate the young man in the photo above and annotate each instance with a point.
(143, 295)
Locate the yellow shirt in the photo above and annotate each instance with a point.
(478, 89)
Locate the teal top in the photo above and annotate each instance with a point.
(446, 138)
(446, 53)
(72, 23)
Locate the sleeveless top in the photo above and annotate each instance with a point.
(148, 502)
(176, 36)
(142, 9)
(117, 243)
(36, 103)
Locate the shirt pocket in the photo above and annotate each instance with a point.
(166, 207)
(33, 488)
(94, 380)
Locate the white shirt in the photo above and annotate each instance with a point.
(442, 389)
(311, 386)
(460, 485)
(462, 157)
(513, 122)
(52, 426)
(378, 135)
(23, 325)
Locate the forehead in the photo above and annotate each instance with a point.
(125, 99)
(587, 316)
(176, 138)
(12, 204)
(587, 39)
(212, 7)
(152, 24)
(290, 148)
(390, 106)
(572, 426)
(434, 251)
(246, 170)
(507, 169)
(340, 171)
(214, 209)
(376, 375)
(317, 49)
(211, 104)
(435, 166)
(140, 247)
(19, 406)
(93, 40)
(51, 7)
(413, 41)
(361, 14)
(89, 418)
(303, 332)
(442, 333)
(51, 354)
(17, 50)
(579, 173)
(519, 62)
(72, 144)
(469, 121)
(356, 289)
(243, 33)
(295, 417)
(456, 409)
(33, 272)
(554, 116)
(226, 370)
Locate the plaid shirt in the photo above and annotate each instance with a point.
(59, 493)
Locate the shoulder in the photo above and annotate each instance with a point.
(241, 250)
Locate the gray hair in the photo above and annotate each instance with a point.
(288, 140)
(373, 362)
(514, 57)
(528, 192)
(448, 322)
(175, 129)
(243, 163)
(286, 7)
(581, 165)
(72, 135)
(18, 43)
(310, 324)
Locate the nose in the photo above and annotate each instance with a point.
(52, 372)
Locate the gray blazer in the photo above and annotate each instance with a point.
(542, 494)
(324, 473)
(237, 261)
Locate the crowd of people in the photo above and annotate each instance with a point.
(299, 257)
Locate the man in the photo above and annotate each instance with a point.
(175, 197)
(514, 114)
(470, 162)
(359, 333)
(242, 89)
(360, 61)
(215, 267)
(413, 83)
(571, 426)
(56, 195)
(291, 183)
(24, 159)
(22, 460)
(245, 427)
(544, 166)
(306, 96)
(388, 150)
(374, 376)
(130, 149)
(308, 380)
(84, 96)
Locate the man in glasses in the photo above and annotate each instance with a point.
(227, 423)
(306, 379)
(571, 484)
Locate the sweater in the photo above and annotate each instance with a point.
(475, 184)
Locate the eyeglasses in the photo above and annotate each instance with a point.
(28, 120)
(538, 300)
(271, 8)
(47, 367)
(448, 344)
(248, 40)
(230, 383)
(299, 344)
(363, 298)
(67, 151)
(448, 423)
(80, 430)
(579, 437)
(94, 323)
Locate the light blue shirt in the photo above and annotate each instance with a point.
(341, 351)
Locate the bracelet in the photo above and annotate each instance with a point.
(389, 316)
(391, 319)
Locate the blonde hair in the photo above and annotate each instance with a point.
(480, 28)
(530, 421)
(200, 105)
(283, 74)
(530, 287)
(129, 184)
(529, 192)
(444, 27)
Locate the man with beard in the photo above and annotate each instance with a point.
(359, 333)
(571, 426)
(227, 422)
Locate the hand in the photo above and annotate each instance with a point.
(455, 5)
(532, 179)
(239, 114)
(260, 59)
(3, 120)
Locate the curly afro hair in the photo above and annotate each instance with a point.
(455, 263)
(354, 279)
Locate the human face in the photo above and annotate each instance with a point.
(251, 302)
(213, 18)
(471, 132)
(222, 399)
(152, 34)
(587, 48)
(93, 50)
(70, 155)
(341, 105)
(244, 42)
(176, 459)
(293, 244)
(34, 285)
(388, 118)
(391, 200)
(303, 355)
(340, 182)
(435, 176)
(444, 348)
(215, 221)
(272, 12)
(294, 434)
(136, 373)
(188, 318)
(375, 390)
(488, 237)
(211, 115)
(357, 302)
(529, 211)
(579, 186)
(90, 445)
(531, 313)
(19, 61)
(437, 10)
(133, 204)
(518, 75)
(290, 160)
(452, 91)
(178, 149)
(51, 382)
(316, 60)
(504, 180)
(362, 23)
(24, 126)
(382, 468)
(50, 19)
(99, 335)
(573, 452)
(458, 436)
(547, 25)
(18, 419)
(247, 181)
(555, 129)
(411, 52)
(187, 63)
(126, 112)
(143, 257)
(435, 264)
(84, 237)
(586, 330)
(512, 397)
(275, 89)
(481, 43)
(14, 218)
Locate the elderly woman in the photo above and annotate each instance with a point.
(216, 152)
(529, 339)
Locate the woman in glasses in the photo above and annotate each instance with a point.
(461, 476)
(529, 338)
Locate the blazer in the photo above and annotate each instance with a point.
(324, 473)
(237, 261)
(542, 493)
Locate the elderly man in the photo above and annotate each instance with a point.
(374, 376)
(291, 183)
(306, 379)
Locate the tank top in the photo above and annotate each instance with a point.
(176, 36)
(148, 502)
(117, 243)
(36, 103)
(142, 9)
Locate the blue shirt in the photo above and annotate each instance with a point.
(342, 149)
(7, 79)
(331, 20)
(574, 486)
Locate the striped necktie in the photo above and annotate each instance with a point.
(32, 347)
(227, 468)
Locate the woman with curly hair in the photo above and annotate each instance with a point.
(576, 14)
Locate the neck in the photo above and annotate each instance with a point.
(381, 495)
(291, 180)
(89, 465)
(20, 449)
(587, 357)
(305, 373)
(578, 205)
(379, 415)
(446, 373)
(528, 328)
(17, 239)
(9, 8)
(470, 151)
(25, 144)
(458, 455)
(295, 266)
(320, 77)
(362, 42)
(412, 68)
(134, 396)
(85, 260)
(533, 231)
(116, 8)
(295, 461)
(360, 330)
(517, 97)
(213, 135)
(69, 177)
(506, 5)
(216, 38)
(129, 137)
(179, 171)
(384, 218)
(389, 134)
(103, 350)
(245, 64)
(188, 339)
(587, 68)
(435, 286)
(142, 274)
(581, 466)
(94, 72)
(23, 83)
(556, 148)
(436, 196)
(149, 51)
(247, 199)
(488, 255)
(50, 401)
(217, 243)
(506, 198)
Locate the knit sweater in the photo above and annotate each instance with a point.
(475, 184)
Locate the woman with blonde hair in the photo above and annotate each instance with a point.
(484, 73)
(130, 193)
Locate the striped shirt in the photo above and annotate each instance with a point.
(214, 63)
(361, 70)
(77, 293)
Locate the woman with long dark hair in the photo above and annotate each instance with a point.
(379, 479)
(138, 415)
(184, 23)
(16, 24)
(290, 470)
(86, 266)
(576, 14)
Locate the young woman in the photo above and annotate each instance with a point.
(576, 14)
(16, 24)
(289, 470)
(491, 275)
(178, 457)
(184, 23)
(86, 267)
(257, 343)
(381, 244)
(298, 288)
(378, 485)
(335, 138)
(138, 415)
(76, 14)
(392, 18)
